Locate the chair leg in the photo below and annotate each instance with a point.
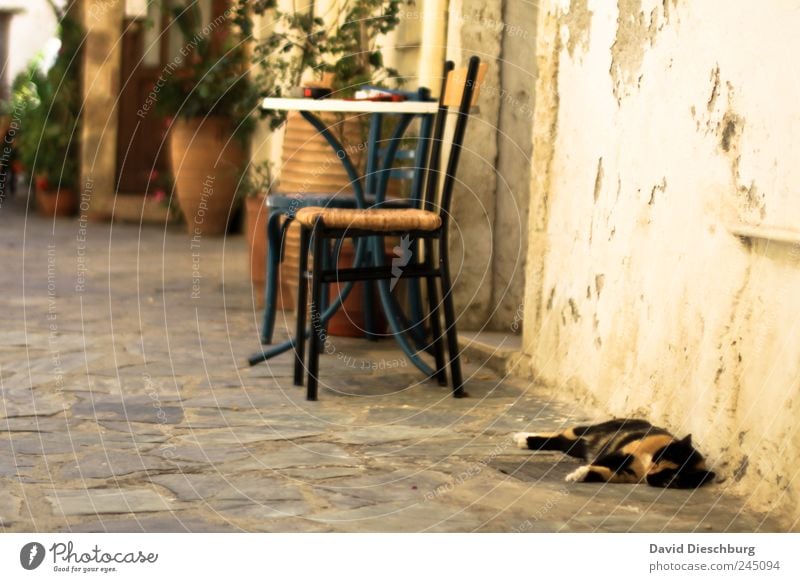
(370, 325)
(434, 318)
(368, 300)
(274, 240)
(302, 298)
(450, 320)
(416, 316)
(329, 262)
(317, 326)
(436, 338)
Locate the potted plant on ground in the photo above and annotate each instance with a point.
(255, 188)
(49, 105)
(343, 53)
(344, 49)
(209, 98)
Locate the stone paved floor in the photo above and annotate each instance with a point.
(128, 406)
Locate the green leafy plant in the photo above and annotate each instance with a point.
(213, 78)
(50, 104)
(257, 181)
(302, 41)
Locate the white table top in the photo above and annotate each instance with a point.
(349, 106)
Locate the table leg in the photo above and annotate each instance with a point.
(371, 187)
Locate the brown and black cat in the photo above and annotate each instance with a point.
(625, 451)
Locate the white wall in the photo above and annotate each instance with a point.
(661, 128)
(31, 28)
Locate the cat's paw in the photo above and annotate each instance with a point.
(521, 439)
(578, 475)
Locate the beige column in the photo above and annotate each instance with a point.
(102, 22)
(432, 49)
(472, 31)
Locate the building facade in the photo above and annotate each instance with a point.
(663, 254)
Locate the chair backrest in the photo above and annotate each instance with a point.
(381, 158)
(457, 81)
(460, 88)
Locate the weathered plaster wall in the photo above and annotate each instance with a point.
(33, 29)
(660, 126)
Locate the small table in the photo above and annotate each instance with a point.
(406, 109)
(349, 105)
(373, 183)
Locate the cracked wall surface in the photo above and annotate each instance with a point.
(661, 129)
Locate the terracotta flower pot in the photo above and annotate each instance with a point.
(309, 166)
(59, 202)
(207, 164)
(349, 320)
(5, 123)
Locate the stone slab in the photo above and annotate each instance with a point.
(162, 522)
(130, 409)
(106, 464)
(293, 455)
(106, 501)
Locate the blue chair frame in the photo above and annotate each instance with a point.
(378, 171)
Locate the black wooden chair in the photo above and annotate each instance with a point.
(428, 224)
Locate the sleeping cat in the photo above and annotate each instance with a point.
(625, 451)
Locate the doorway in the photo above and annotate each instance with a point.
(149, 45)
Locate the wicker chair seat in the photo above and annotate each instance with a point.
(284, 201)
(381, 220)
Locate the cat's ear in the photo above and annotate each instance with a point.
(687, 440)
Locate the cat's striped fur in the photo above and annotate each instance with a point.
(625, 451)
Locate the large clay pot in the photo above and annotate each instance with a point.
(5, 123)
(348, 321)
(308, 162)
(309, 165)
(60, 202)
(207, 163)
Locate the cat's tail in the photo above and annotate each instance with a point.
(574, 447)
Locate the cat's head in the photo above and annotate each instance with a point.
(679, 465)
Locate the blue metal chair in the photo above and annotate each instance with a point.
(283, 207)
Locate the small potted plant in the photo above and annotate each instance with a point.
(343, 53)
(209, 99)
(50, 104)
(255, 188)
(160, 190)
(345, 48)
